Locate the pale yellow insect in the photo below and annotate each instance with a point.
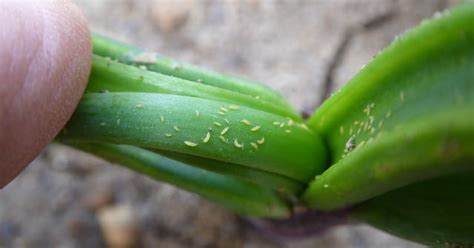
(246, 122)
(224, 131)
(207, 138)
(189, 143)
(254, 129)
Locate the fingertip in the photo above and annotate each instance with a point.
(45, 59)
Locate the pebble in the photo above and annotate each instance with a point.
(119, 226)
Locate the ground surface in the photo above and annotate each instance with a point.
(304, 49)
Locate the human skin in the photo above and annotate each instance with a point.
(45, 60)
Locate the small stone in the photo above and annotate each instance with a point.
(119, 226)
(170, 15)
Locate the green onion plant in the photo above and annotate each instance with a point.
(394, 146)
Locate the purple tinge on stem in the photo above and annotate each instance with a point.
(301, 225)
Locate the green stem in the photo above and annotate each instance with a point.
(127, 54)
(241, 135)
(288, 187)
(430, 148)
(240, 196)
(117, 77)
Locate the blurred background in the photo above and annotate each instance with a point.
(303, 49)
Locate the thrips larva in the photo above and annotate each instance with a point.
(207, 138)
(224, 131)
(246, 122)
(223, 109)
(254, 129)
(255, 146)
(189, 143)
(238, 145)
(223, 139)
(290, 122)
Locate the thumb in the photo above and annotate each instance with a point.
(45, 59)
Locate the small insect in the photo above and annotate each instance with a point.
(189, 143)
(238, 145)
(207, 138)
(197, 113)
(350, 145)
(168, 135)
(282, 124)
(223, 139)
(227, 121)
(255, 146)
(162, 118)
(223, 109)
(234, 107)
(199, 81)
(145, 58)
(276, 123)
(261, 141)
(139, 105)
(246, 122)
(221, 112)
(224, 131)
(217, 124)
(287, 130)
(302, 125)
(371, 120)
(290, 122)
(254, 129)
(176, 128)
